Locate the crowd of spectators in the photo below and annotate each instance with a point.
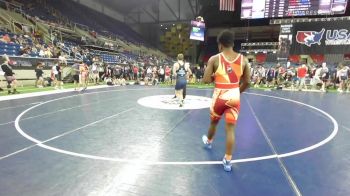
(31, 45)
(313, 77)
(143, 74)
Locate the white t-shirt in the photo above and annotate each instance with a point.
(318, 72)
(94, 68)
(161, 71)
(344, 72)
(54, 70)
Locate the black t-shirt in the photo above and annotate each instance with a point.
(199, 73)
(7, 69)
(39, 72)
(58, 68)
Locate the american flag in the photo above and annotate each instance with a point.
(227, 5)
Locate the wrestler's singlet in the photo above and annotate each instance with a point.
(226, 97)
(181, 79)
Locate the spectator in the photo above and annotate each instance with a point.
(41, 52)
(301, 74)
(343, 75)
(58, 76)
(95, 72)
(39, 83)
(5, 38)
(161, 73)
(199, 74)
(324, 77)
(135, 71)
(270, 76)
(9, 75)
(101, 71)
(84, 75)
(167, 75)
(47, 53)
(316, 80)
(75, 74)
(149, 75)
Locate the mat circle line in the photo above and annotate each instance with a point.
(303, 150)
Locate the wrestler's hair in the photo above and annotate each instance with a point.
(3, 59)
(180, 57)
(226, 38)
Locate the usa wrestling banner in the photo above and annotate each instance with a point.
(328, 37)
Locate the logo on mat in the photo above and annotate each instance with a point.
(168, 102)
(309, 38)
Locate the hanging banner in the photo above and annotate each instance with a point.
(285, 41)
(327, 37)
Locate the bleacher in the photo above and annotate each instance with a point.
(77, 18)
(10, 49)
(109, 58)
(81, 14)
(115, 32)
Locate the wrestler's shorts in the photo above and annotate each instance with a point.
(180, 84)
(225, 101)
(10, 79)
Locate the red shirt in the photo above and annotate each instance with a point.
(302, 72)
(136, 69)
(167, 71)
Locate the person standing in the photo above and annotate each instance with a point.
(9, 75)
(75, 74)
(343, 77)
(167, 75)
(95, 72)
(301, 74)
(84, 75)
(39, 83)
(324, 76)
(135, 71)
(198, 74)
(231, 73)
(58, 76)
(161, 74)
(316, 80)
(270, 75)
(181, 71)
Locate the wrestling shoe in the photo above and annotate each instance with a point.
(181, 104)
(227, 165)
(206, 142)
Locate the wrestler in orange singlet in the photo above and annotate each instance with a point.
(231, 73)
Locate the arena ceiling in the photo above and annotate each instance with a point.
(123, 6)
(154, 11)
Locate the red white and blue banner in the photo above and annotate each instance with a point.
(327, 37)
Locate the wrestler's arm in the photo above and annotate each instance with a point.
(175, 67)
(245, 79)
(189, 70)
